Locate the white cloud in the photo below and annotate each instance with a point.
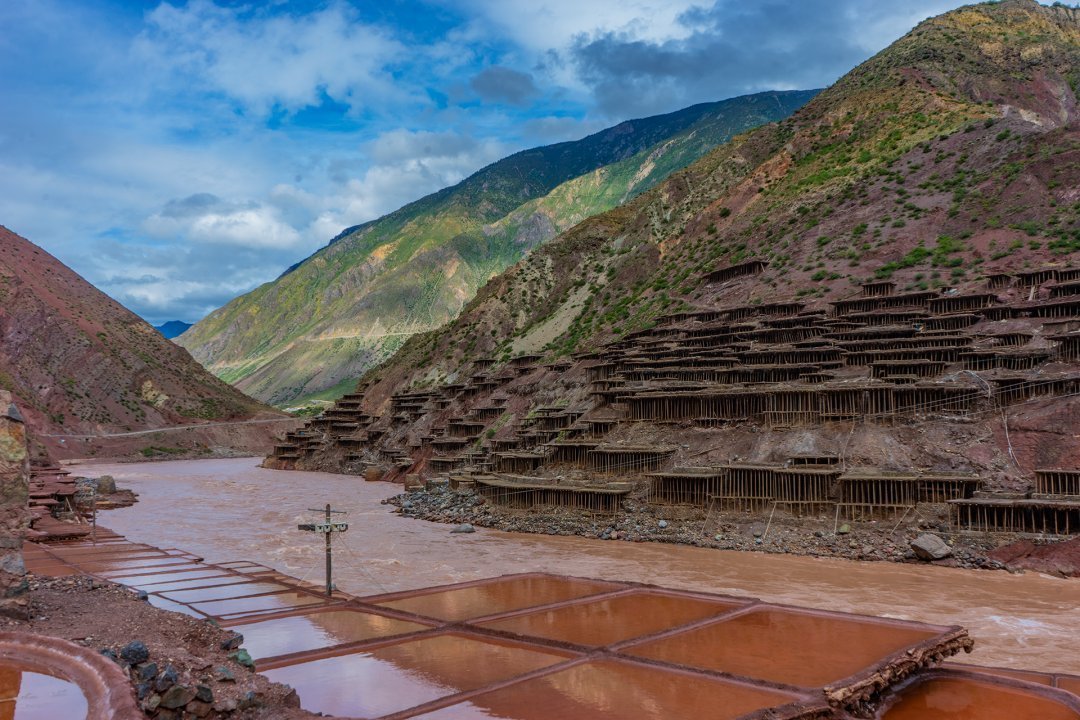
(405, 165)
(542, 25)
(251, 227)
(175, 158)
(265, 60)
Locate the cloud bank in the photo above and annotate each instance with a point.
(179, 155)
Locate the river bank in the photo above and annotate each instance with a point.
(808, 535)
(229, 509)
(641, 522)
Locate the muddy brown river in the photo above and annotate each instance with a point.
(232, 510)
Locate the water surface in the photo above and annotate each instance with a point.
(232, 509)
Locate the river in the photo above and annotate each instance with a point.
(232, 510)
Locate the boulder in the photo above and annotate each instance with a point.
(106, 485)
(930, 547)
(464, 528)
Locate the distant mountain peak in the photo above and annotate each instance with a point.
(172, 328)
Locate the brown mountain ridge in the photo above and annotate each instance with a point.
(78, 363)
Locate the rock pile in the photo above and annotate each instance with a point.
(642, 522)
(14, 513)
(180, 668)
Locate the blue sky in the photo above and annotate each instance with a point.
(179, 154)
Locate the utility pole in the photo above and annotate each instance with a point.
(327, 528)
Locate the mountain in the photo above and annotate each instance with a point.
(943, 171)
(350, 305)
(78, 363)
(172, 329)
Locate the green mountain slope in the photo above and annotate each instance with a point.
(950, 156)
(355, 302)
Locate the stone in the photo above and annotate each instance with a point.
(152, 702)
(106, 485)
(198, 708)
(464, 528)
(166, 679)
(224, 674)
(147, 671)
(14, 507)
(204, 694)
(662, 524)
(226, 706)
(844, 529)
(232, 642)
(248, 701)
(242, 657)
(143, 689)
(12, 564)
(110, 653)
(134, 653)
(13, 411)
(177, 697)
(930, 547)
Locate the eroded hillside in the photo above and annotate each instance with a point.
(352, 304)
(77, 362)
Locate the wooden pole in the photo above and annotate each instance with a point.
(329, 561)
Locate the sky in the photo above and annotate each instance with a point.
(178, 154)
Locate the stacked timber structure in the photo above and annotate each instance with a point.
(570, 433)
(1052, 508)
(800, 487)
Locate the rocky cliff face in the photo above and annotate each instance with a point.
(77, 362)
(352, 304)
(14, 497)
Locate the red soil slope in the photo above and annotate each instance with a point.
(78, 362)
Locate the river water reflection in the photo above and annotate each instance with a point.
(232, 509)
